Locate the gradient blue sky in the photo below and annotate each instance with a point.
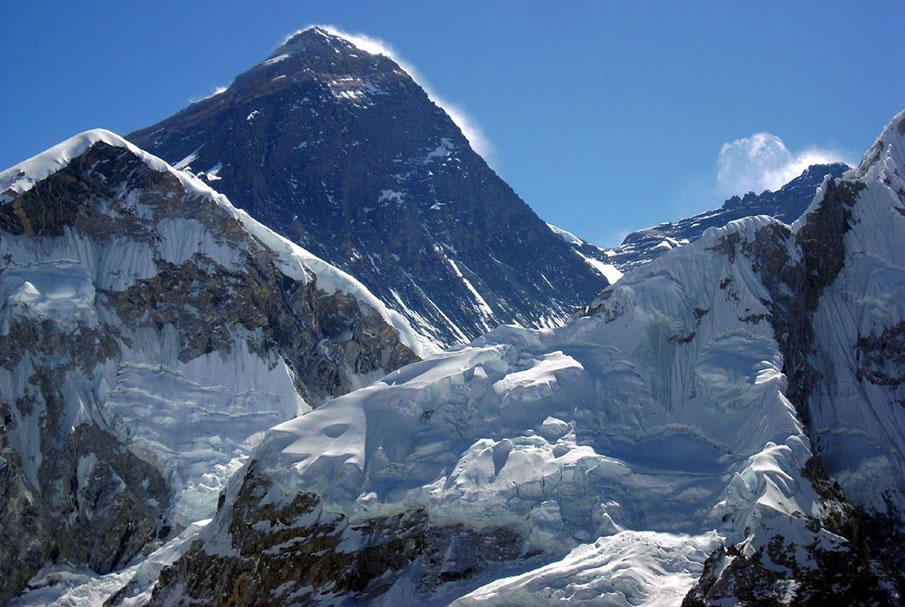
(605, 116)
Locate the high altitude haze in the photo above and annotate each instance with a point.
(605, 118)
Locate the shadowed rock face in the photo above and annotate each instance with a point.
(342, 152)
(100, 518)
(72, 486)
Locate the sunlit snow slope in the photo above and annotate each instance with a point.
(680, 439)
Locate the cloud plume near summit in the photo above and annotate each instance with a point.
(763, 162)
(469, 127)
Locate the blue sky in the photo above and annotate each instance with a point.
(605, 116)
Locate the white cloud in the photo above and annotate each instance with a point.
(479, 142)
(217, 91)
(763, 162)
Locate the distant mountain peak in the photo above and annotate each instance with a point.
(822, 168)
(319, 53)
(643, 246)
(809, 178)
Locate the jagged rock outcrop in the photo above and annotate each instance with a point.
(341, 151)
(276, 560)
(148, 333)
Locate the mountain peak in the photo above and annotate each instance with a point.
(321, 50)
(887, 150)
(318, 39)
(23, 176)
(333, 144)
(313, 37)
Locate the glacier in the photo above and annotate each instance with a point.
(727, 417)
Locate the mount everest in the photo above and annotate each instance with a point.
(354, 162)
(722, 425)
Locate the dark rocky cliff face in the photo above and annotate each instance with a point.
(342, 152)
(72, 489)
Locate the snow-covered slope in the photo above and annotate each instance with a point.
(593, 255)
(676, 440)
(858, 407)
(150, 333)
(295, 262)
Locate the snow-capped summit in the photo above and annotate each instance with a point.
(323, 50)
(887, 154)
(311, 35)
(150, 332)
(724, 425)
(294, 260)
(315, 38)
(330, 142)
(23, 176)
